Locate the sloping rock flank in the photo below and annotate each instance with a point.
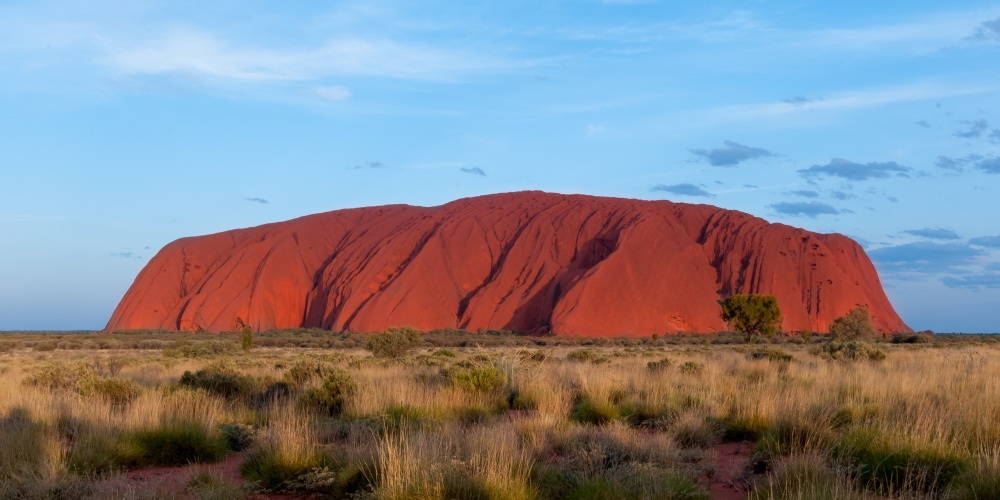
(528, 261)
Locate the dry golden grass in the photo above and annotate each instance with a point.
(923, 423)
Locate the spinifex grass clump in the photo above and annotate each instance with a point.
(885, 462)
(177, 442)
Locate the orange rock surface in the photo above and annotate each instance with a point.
(527, 261)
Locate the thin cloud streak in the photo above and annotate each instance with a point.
(193, 52)
(847, 100)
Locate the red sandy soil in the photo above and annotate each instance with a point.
(528, 261)
(728, 482)
(173, 480)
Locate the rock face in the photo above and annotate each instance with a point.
(528, 261)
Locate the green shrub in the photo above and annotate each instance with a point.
(884, 463)
(58, 376)
(912, 338)
(645, 415)
(476, 378)
(305, 371)
(770, 354)
(981, 480)
(331, 397)
(752, 314)
(588, 410)
(856, 324)
(246, 338)
(220, 380)
(337, 482)
(99, 453)
(660, 365)
(238, 436)
(692, 368)
(266, 467)
(178, 442)
(117, 391)
(444, 353)
(623, 482)
(393, 342)
(23, 450)
(520, 400)
(583, 355)
(850, 351)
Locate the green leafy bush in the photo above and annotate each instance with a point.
(178, 442)
(850, 351)
(64, 376)
(856, 324)
(588, 410)
(220, 380)
(659, 365)
(692, 368)
(770, 354)
(487, 378)
(117, 391)
(305, 371)
(238, 436)
(331, 397)
(583, 355)
(393, 342)
(885, 463)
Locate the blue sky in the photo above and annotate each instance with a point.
(127, 124)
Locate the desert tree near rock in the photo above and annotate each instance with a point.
(856, 324)
(752, 314)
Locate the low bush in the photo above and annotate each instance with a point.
(884, 463)
(584, 355)
(692, 368)
(850, 351)
(912, 338)
(178, 442)
(588, 410)
(238, 436)
(444, 353)
(305, 371)
(770, 354)
(272, 471)
(330, 398)
(221, 380)
(660, 365)
(58, 376)
(856, 324)
(117, 391)
(393, 342)
(482, 379)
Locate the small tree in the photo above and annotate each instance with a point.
(246, 334)
(856, 324)
(393, 342)
(752, 314)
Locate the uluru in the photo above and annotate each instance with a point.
(528, 261)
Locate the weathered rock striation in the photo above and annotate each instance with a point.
(527, 261)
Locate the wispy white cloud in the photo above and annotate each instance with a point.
(198, 53)
(851, 99)
(332, 93)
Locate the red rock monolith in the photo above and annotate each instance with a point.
(528, 261)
